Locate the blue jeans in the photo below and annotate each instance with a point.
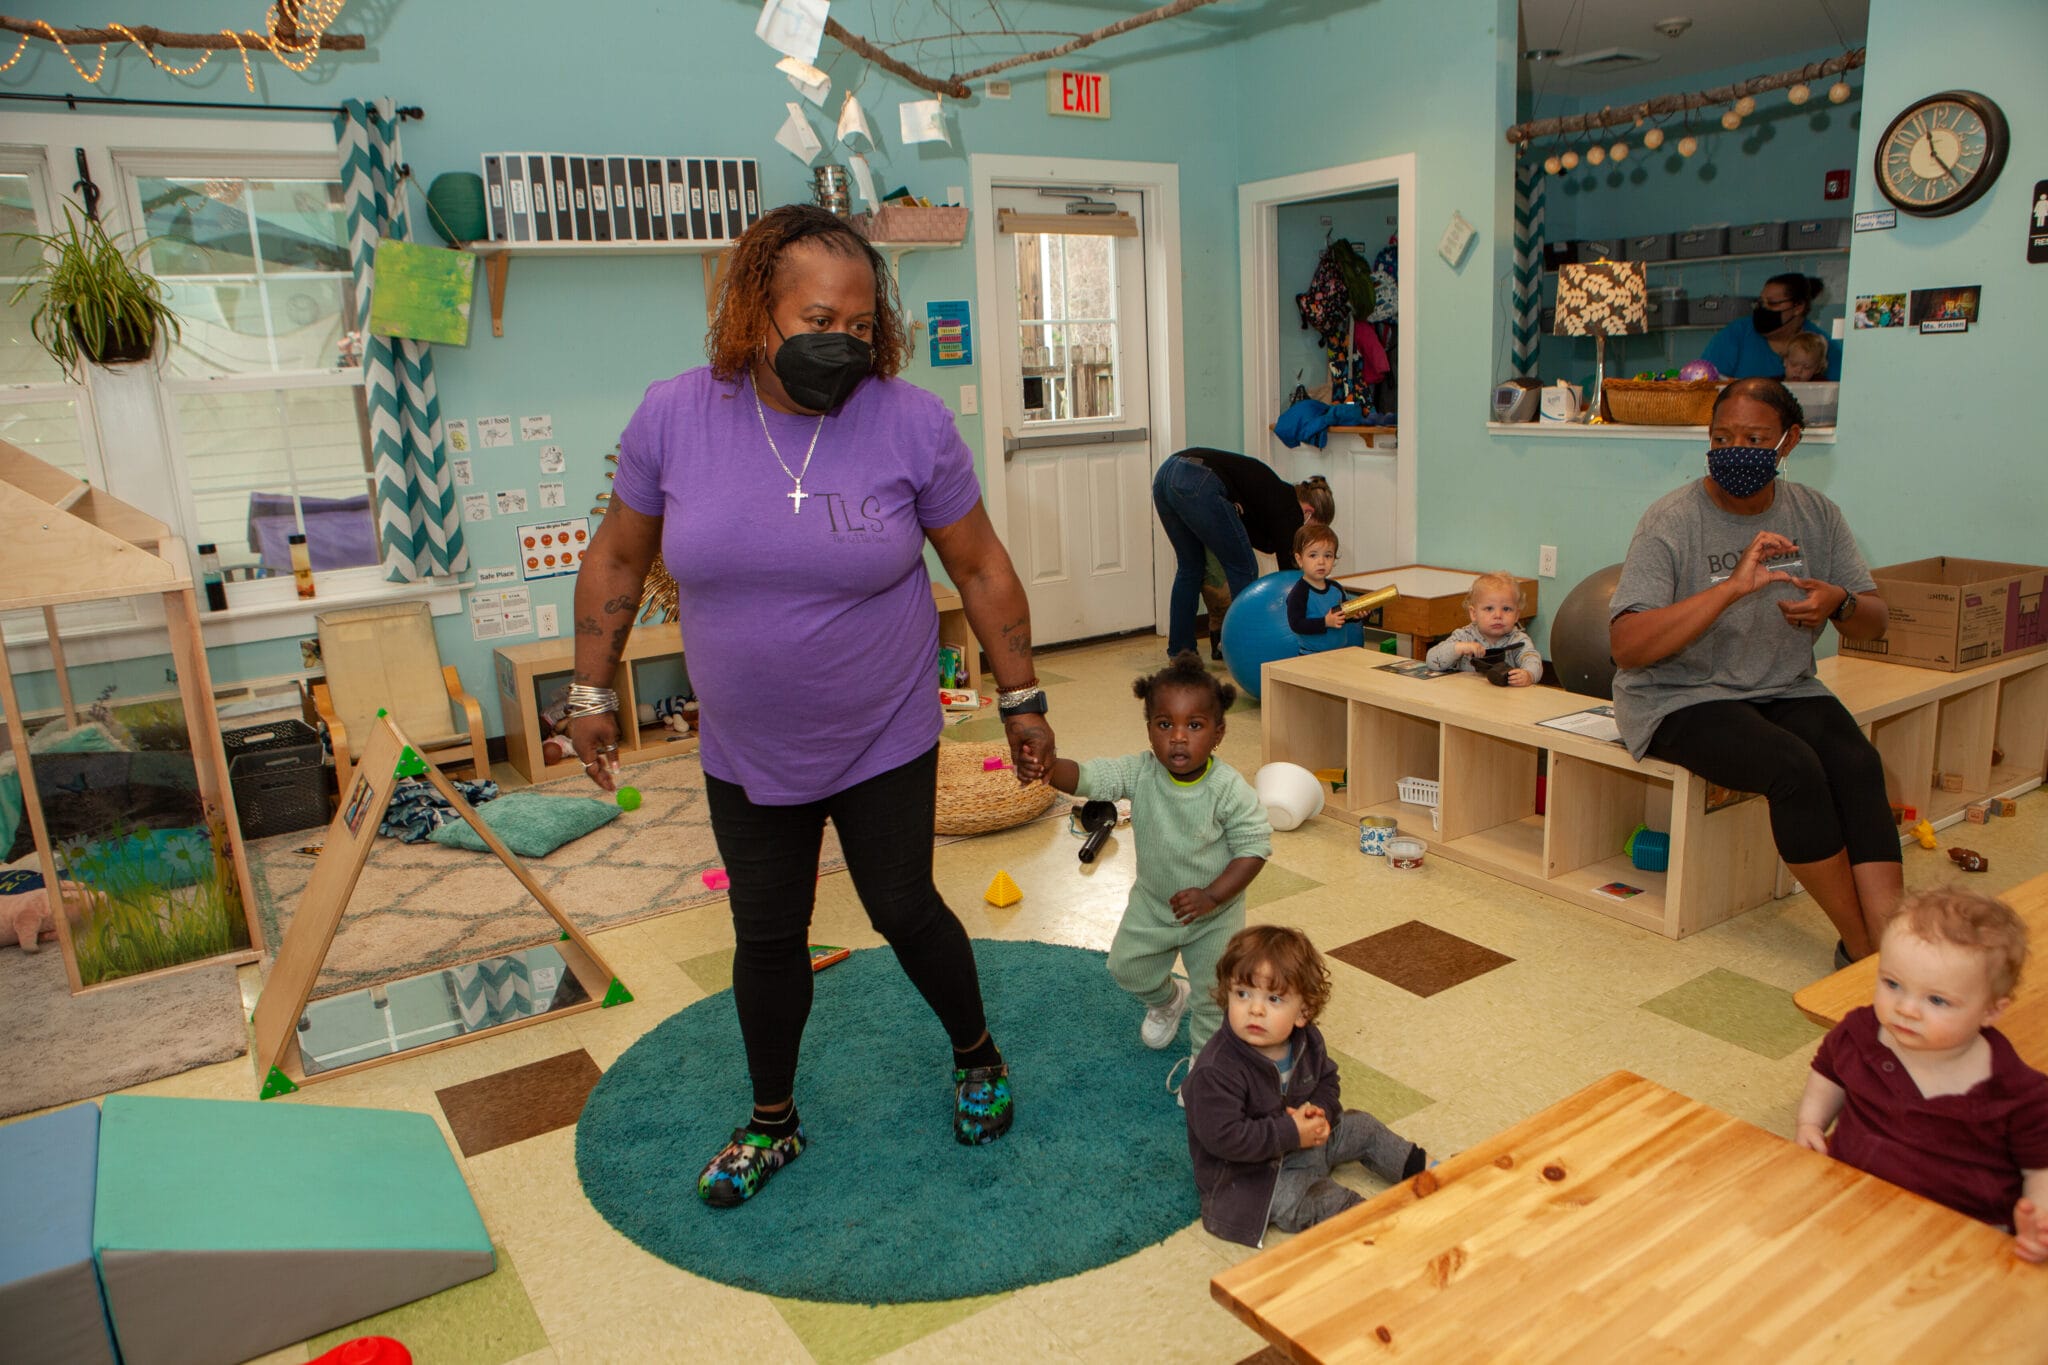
(1199, 518)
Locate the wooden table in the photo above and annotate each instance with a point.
(1827, 1000)
(1629, 1222)
(1432, 600)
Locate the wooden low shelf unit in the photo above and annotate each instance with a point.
(520, 669)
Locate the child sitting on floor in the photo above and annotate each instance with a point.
(1494, 607)
(1314, 604)
(1929, 1095)
(1265, 1122)
(1806, 358)
(1201, 835)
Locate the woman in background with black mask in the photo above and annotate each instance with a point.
(1754, 347)
(791, 486)
(1726, 589)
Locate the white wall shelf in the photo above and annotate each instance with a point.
(1617, 431)
(1738, 256)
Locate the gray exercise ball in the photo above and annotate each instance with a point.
(1578, 635)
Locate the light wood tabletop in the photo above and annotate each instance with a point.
(2025, 1021)
(1631, 1222)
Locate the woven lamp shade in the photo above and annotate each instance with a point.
(1606, 298)
(974, 800)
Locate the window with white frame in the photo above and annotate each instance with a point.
(253, 426)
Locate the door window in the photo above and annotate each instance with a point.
(1067, 326)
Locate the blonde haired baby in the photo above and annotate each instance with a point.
(1494, 606)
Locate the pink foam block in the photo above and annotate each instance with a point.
(716, 880)
(994, 764)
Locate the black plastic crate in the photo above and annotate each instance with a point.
(279, 782)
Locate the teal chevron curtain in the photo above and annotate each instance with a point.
(1528, 266)
(419, 517)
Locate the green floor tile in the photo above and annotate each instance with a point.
(712, 971)
(1275, 883)
(1738, 1009)
(485, 1322)
(1377, 1093)
(851, 1333)
(980, 730)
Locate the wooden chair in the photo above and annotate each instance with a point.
(385, 657)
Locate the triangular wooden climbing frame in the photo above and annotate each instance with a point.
(386, 761)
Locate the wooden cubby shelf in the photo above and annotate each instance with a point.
(1483, 747)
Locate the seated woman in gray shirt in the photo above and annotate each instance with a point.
(1727, 586)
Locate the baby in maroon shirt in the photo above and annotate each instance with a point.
(1929, 1095)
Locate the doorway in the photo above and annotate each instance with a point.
(1375, 486)
(1077, 266)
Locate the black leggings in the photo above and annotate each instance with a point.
(1824, 781)
(771, 854)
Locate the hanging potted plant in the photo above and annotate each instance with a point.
(95, 301)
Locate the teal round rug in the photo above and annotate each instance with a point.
(883, 1206)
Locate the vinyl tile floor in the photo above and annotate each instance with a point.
(1507, 1001)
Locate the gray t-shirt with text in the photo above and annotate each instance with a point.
(1684, 545)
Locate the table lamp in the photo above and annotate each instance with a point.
(1604, 299)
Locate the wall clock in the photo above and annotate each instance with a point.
(1942, 153)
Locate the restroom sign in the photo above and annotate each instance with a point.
(1077, 94)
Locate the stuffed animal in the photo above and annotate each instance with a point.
(669, 711)
(24, 909)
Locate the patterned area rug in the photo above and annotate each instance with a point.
(421, 906)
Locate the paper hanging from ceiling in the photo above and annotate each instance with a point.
(853, 123)
(863, 179)
(794, 27)
(796, 136)
(922, 120)
(810, 82)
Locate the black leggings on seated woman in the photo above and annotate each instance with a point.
(771, 854)
(1824, 781)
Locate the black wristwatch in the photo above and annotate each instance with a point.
(1846, 610)
(1025, 701)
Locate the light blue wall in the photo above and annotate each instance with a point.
(1365, 220)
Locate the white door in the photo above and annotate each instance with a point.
(1070, 319)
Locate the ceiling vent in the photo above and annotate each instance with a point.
(1608, 59)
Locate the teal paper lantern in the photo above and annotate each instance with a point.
(455, 207)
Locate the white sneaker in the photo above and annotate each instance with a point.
(1163, 1021)
(1175, 1080)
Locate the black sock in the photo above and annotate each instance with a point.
(981, 1054)
(1417, 1163)
(776, 1126)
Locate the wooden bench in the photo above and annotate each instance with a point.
(1481, 745)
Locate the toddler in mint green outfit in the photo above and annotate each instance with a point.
(1201, 837)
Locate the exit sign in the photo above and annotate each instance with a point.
(1078, 94)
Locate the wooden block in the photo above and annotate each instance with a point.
(1977, 813)
(1951, 782)
(2006, 806)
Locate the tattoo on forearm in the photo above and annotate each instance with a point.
(1017, 637)
(623, 602)
(588, 625)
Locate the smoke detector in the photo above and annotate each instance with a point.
(1671, 28)
(1609, 59)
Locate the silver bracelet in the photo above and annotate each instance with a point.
(585, 700)
(1020, 696)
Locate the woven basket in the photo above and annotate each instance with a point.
(977, 801)
(1662, 402)
(913, 223)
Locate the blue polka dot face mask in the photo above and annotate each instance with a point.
(1744, 471)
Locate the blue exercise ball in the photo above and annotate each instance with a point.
(1256, 633)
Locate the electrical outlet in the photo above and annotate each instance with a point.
(970, 400)
(1546, 561)
(996, 90)
(547, 621)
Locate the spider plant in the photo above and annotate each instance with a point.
(94, 300)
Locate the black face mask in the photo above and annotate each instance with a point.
(1767, 320)
(820, 370)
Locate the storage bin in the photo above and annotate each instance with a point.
(1417, 791)
(1694, 243)
(1661, 402)
(1816, 234)
(1654, 247)
(1818, 399)
(1666, 309)
(279, 781)
(910, 223)
(1714, 310)
(1603, 249)
(1753, 239)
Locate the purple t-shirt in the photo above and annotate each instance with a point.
(811, 638)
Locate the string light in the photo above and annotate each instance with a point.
(19, 48)
(1745, 106)
(65, 48)
(1551, 165)
(309, 22)
(1838, 92)
(1570, 160)
(1618, 151)
(1595, 154)
(1731, 120)
(1653, 139)
(1800, 93)
(1687, 145)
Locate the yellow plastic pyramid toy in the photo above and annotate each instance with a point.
(1002, 891)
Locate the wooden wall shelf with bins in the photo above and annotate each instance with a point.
(1482, 744)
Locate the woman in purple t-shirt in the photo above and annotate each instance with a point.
(790, 487)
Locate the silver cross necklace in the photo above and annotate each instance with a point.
(796, 495)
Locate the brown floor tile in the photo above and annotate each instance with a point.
(1420, 959)
(496, 1111)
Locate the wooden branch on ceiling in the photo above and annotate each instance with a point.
(956, 87)
(152, 36)
(1678, 104)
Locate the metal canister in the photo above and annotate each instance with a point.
(1373, 833)
(831, 190)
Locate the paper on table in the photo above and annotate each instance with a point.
(853, 122)
(863, 179)
(922, 120)
(810, 82)
(793, 26)
(1594, 723)
(796, 136)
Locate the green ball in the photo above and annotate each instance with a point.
(629, 798)
(455, 207)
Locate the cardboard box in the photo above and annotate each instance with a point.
(1953, 614)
